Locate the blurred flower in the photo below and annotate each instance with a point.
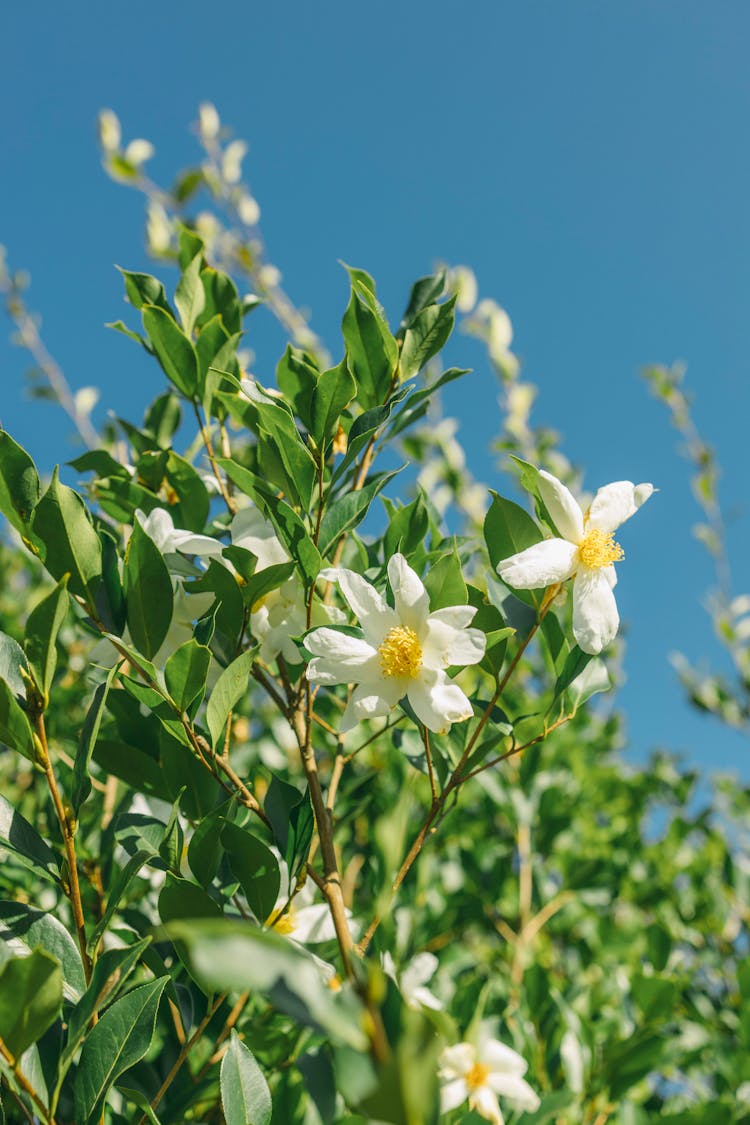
(231, 163)
(138, 152)
(492, 324)
(462, 281)
(477, 1074)
(586, 550)
(404, 651)
(208, 121)
(86, 399)
(248, 210)
(412, 979)
(109, 130)
(158, 228)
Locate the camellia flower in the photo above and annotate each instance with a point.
(404, 651)
(586, 549)
(413, 978)
(477, 1074)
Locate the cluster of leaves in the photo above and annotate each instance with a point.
(167, 794)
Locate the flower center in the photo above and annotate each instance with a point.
(401, 652)
(287, 923)
(477, 1076)
(598, 548)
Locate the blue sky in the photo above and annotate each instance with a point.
(587, 160)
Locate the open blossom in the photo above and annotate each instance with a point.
(478, 1073)
(404, 651)
(413, 978)
(586, 550)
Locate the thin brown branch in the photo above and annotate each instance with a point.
(226, 495)
(23, 1082)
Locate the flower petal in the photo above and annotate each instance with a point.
(483, 1100)
(251, 530)
(411, 598)
(453, 1094)
(500, 1057)
(459, 616)
(457, 1060)
(370, 700)
(340, 647)
(562, 506)
(313, 924)
(552, 560)
(375, 615)
(437, 701)
(595, 616)
(615, 503)
(443, 645)
(515, 1088)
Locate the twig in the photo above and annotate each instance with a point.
(184, 1050)
(24, 1083)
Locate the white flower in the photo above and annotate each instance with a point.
(586, 550)
(404, 651)
(464, 283)
(248, 210)
(231, 165)
(158, 229)
(160, 527)
(477, 1074)
(305, 922)
(413, 978)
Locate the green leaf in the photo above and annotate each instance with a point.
(245, 1096)
(70, 544)
(372, 352)
(117, 889)
(230, 955)
(333, 392)
(425, 336)
(174, 351)
(297, 377)
(180, 898)
(292, 821)
(222, 298)
(444, 582)
(189, 296)
(348, 511)
(24, 929)
(508, 529)
(148, 593)
(228, 690)
(15, 728)
(30, 999)
(108, 976)
(24, 841)
(87, 741)
(12, 660)
(143, 289)
(120, 1039)
(256, 868)
(42, 627)
(266, 580)
(363, 428)
(425, 291)
(186, 672)
(20, 488)
(575, 663)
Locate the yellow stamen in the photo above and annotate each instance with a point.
(334, 983)
(401, 652)
(285, 923)
(598, 548)
(477, 1076)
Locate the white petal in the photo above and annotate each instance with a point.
(251, 530)
(419, 970)
(340, 647)
(370, 700)
(313, 924)
(515, 1088)
(552, 560)
(610, 574)
(438, 702)
(453, 1094)
(459, 616)
(483, 1100)
(499, 1057)
(595, 616)
(191, 544)
(562, 506)
(421, 996)
(329, 672)
(616, 503)
(159, 526)
(443, 645)
(457, 1060)
(411, 598)
(375, 615)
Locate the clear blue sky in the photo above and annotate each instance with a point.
(589, 160)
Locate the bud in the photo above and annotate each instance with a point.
(231, 165)
(138, 152)
(109, 131)
(158, 229)
(248, 210)
(208, 121)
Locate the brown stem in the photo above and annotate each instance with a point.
(225, 1032)
(206, 437)
(184, 1050)
(430, 767)
(67, 828)
(24, 1083)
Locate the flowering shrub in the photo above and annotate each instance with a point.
(306, 815)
